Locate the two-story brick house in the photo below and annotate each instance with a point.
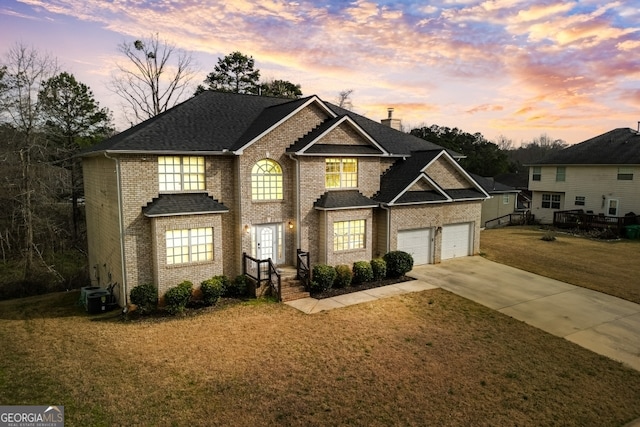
(183, 195)
(598, 176)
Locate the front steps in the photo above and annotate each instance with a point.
(292, 288)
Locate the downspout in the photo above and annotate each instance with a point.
(297, 205)
(121, 226)
(388, 236)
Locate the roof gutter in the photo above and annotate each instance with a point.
(121, 227)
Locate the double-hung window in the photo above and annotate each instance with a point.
(625, 174)
(189, 245)
(551, 201)
(181, 173)
(348, 235)
(537, 173)
(561, 173)
(341, 173)
(580, 200)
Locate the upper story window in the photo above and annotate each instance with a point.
(505, 199)
(348, 235)
(266, 180)
(625, 174)
(561, 173)
(189, 245)
(181, 173)
(537, 173)
(341, 173)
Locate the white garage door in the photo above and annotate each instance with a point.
(457, 240)
(417, 243)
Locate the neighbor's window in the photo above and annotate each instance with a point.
(537, 173)
(181, 173)
(561, 173)
(580, 200)
(189, 245)
(551, 201)
(625, 174)
(348, 235)
(341, 173)
(266, 180)
(505, 199)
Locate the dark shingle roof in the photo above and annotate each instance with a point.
(465, 194)
(209, 122)
(617, 147)
(217, 122)
(421, 197)
(183, 204)
(492, 186)
(402, 173)
(343, 199)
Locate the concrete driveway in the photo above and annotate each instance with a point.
(601, 323)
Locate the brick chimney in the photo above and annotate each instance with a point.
(390, 121)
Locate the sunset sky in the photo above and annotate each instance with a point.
(570, 69)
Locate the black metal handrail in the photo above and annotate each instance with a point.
(262, 270)
(302, 268)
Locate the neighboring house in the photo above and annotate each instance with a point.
(183, 195)
(599, 176)
(503, 200)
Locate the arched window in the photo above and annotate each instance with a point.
(266, 180)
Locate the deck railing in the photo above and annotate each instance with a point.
(516, 218)
(262, 271)
(588, 221)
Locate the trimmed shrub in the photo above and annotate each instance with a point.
(379, 269)
(212, 289)
(322, 277)
(362, 272)
(344, 275)
(237, 287)
(399, 263)
(226, 284)
(177, 298)
(145, 297)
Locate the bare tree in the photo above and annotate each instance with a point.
(344, 99)
(156, 77)
(24, 71)
(504, 143)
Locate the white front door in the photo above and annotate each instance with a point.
(612, 207)
(268, 242)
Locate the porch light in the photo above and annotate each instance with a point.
(247, 228)
(290, 225)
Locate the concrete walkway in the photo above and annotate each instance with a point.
(601, 323)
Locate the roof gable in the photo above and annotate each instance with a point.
(273, 117)
(339, 135)
(403, 182)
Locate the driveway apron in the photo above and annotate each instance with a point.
(601, 323)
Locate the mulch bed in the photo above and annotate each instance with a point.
(334, 292)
